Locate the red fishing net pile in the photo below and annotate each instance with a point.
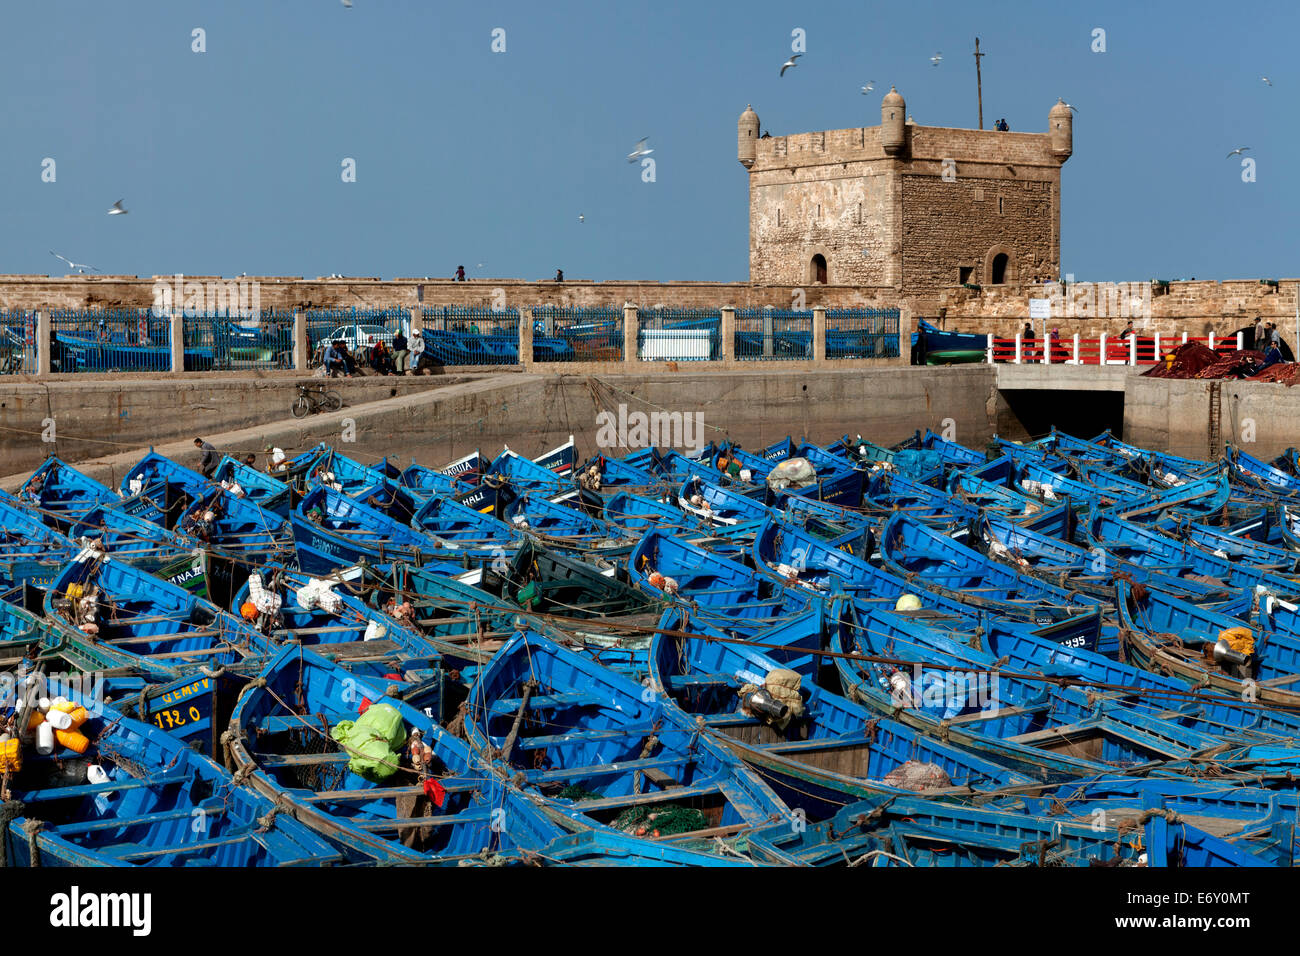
(1188, 360)
(1195, 360)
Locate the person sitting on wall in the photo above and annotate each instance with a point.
(1001, 125)
(349, 362)
(334, 362)
(401, 354)
(559, 275)
(460, 273)
(381, 360)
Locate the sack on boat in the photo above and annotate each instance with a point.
(373, 740)
(792, 473)
(777, 701)
(915, 464)
(918, 776)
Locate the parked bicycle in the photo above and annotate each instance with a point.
(313, 398)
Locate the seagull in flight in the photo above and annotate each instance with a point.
(1267, 80)
(1237, 152)
(78, 266)
(936, 58)
(871, 85)
(581, 218)
(639, 151)
(790, 63)
(348, 4)
(117, 209)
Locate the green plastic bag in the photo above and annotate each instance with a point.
(373, 739)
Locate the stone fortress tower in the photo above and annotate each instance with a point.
(918, 208)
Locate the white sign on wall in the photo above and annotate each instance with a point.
(1040, 308)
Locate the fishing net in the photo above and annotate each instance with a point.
(669, 819)
(575, 792)
(1187, 361)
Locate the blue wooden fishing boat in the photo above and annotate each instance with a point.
(1091, 571)
(333, 620)
(808, 744)
(1209, 647)
(616, 473)
(951, 452)
(349, 476)
(717, 505)
(427, 482)
(636, 513)
(556, 521)
(332, 530)
(603, 751)
(258, 487)
(512, 469)
(944, 566)
(915, 832)
(30, 550)
(1259, 475)
(63, 494)
(141, 797)
(374, 805)
(718, 589)
(1234, 543)
(458, 527)
(103, 607)
(945, 686)
(1146, 546)
(237, 527)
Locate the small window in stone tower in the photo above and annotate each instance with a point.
(999, 267)
(859, 214)
(819, 269)
(964, 274)
(999, 205)
(778, 216)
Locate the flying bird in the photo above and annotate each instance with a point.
(348, 4)
(117, 209)
(789, 63)
(936, 58)
(1071, 107)
(871, 85)
(581, 218)
(1237, 152)
(78, 266)
(639, 151)
(1267, 80)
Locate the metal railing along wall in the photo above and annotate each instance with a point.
(679, 335)
(116, 340)
(17, 342)
(461, 335)
(768, 334)
(862, 333)
(577, 335)
(237, 343)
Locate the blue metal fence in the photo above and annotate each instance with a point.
(115, 340)
(679, 335)
(577, 335)
(17, 342)
(767, 334)
(861, 333)
(236, 342)
(463, 335)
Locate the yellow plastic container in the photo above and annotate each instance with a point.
(11, 756)
(74, 740)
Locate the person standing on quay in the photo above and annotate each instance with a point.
(209, 463)
(400, 353)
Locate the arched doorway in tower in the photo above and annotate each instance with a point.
(998, 270)
(818, 269)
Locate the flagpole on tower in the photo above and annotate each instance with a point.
(979, 86)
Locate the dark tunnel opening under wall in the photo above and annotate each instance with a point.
(1025, 414)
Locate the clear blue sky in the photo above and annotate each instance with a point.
(229, 160)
